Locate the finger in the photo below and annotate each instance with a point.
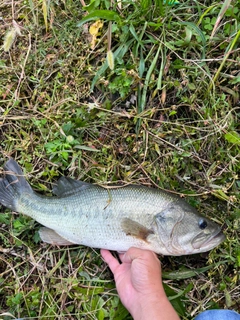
(121, 255)
(136, 253)
(131, 254)
(110, 260)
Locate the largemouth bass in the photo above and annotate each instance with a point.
(110, 218)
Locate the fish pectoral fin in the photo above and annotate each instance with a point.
(135, 229)
(52, 237)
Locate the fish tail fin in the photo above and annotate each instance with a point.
(12, 185)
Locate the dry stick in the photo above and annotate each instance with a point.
(12, 9)
(224, 8)
(109, 35)
(83, 3)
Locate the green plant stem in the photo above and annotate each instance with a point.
(224, 60)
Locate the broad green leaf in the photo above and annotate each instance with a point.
(4, 219)
(232, 137)
(92, 5)
(101, 314)
(64, 155)
(18, 225)
(185, 273)
(100, 14)
(172, 113)
(194, 27)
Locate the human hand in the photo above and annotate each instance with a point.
(139, 284)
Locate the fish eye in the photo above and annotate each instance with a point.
(202, 223)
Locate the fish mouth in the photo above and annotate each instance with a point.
(211, 242)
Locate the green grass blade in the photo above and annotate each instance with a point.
(141, 64)
(31, 5)
(206, 12)
(142, 96)
(163, 63)
(146, 83)
(225, 59)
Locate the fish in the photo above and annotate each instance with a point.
(113, 218)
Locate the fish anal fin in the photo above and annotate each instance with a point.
(52, 237)
(135, 229)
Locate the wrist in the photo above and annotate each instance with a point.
(147, 305)
(156, 307)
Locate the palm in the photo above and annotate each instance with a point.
(139, 285)
(133, 278)
(124, 283)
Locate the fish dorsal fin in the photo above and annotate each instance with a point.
(67, 186)
(135, 229)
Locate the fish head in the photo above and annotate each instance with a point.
(184, 231)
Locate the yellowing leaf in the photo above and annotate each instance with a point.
(224, 8)
(11, 36)
(94, 30)
(157, 149)
(17, 28)
(9, 39)
(119, 3)
(110, 59)
(45, 13)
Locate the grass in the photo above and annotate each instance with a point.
(166, 115)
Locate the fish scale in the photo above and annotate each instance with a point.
(114, 218)
(92, 211)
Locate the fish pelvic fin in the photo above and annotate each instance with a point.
(50, 236)
(12, 185)
(135, 229)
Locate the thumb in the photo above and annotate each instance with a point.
(132, 254)
(146, 256)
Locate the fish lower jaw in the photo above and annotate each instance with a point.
(212, 242)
